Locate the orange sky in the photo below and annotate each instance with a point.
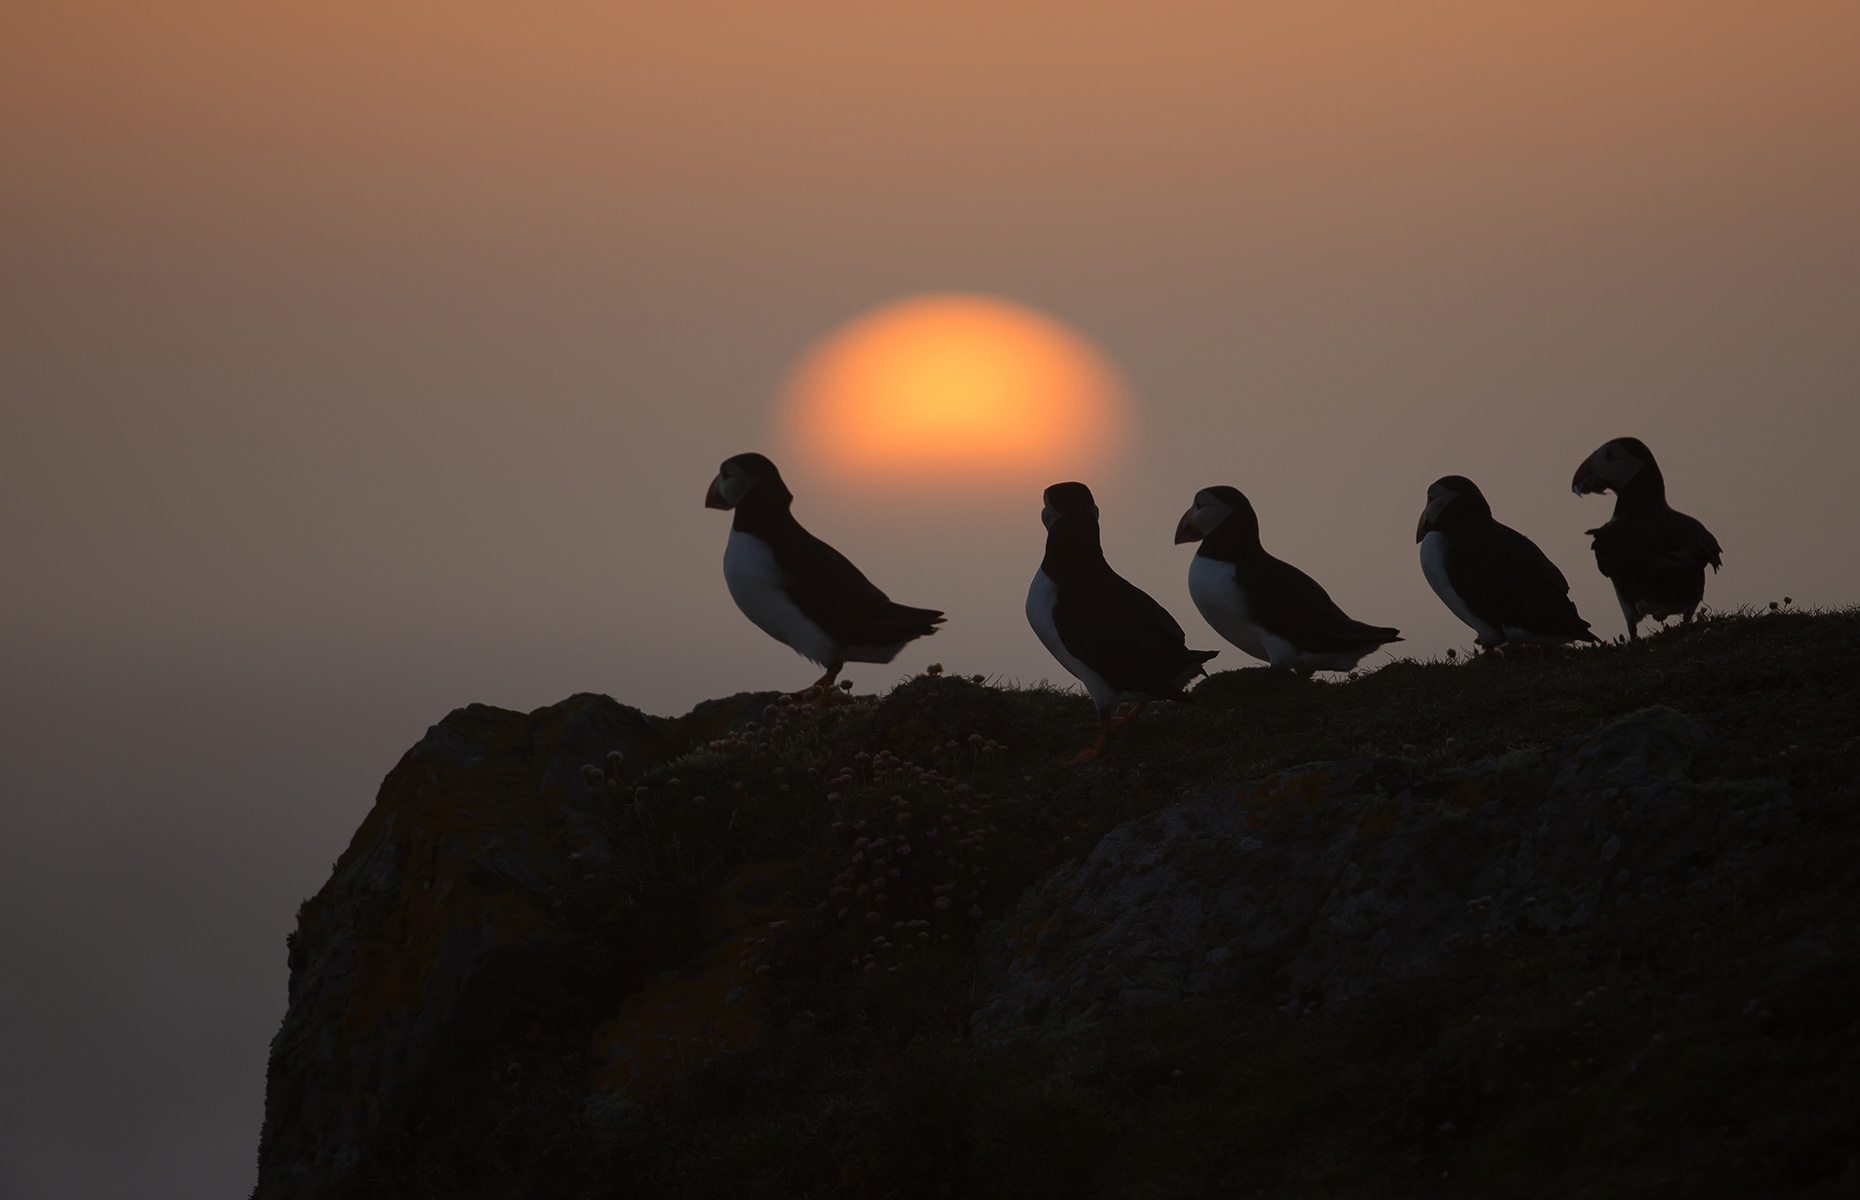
(362, 360)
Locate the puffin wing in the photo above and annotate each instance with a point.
(1509, 582)
(1688, 543)
(1118, 630)
(1654, 542)
(837, 596)
(1290, 604)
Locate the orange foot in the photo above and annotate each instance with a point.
(1098, 747)
(1127, 718)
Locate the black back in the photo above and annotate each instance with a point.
(821, 581)
(1655, 555)
(1113, 626)
(1279, 597)
(1503, 576)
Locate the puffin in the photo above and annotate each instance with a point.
(1493, 577)
(1122, 645)
(1654, 555)
(795, 587)
(1268, 608)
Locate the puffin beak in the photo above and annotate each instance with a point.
(1186, 530)
(1430, 514)
(714, 497)
(1584, 482)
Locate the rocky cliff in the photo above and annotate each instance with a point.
(1324, 882)
(1301, 938)
(485, 882)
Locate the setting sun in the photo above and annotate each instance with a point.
(954, 388)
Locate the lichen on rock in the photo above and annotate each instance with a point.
(1320, 883)
(483, 878)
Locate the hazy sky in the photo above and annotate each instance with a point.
(361, 361)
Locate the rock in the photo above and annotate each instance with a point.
(1323, 882)
(472, 887)
(704, 1007)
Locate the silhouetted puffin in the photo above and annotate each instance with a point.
(798, 589)
(1121, 644)
(1656, 557)
(1268, 608)
(1493, 577)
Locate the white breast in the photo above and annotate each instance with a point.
(1434, 566)
(1041, 597)
(750, 569)
(1222, 603)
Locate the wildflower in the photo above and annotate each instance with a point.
(934, 669)
(871, 918)
(975, 910)
(697, 800)
(942, 902)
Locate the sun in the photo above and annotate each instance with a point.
(953, 391)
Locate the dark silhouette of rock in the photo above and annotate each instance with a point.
(478, 884)
(1320, 883)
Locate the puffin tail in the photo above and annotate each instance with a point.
(918, 622)
(1195, 666)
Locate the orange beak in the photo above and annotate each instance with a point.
(1185, 530)
(714, 497)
